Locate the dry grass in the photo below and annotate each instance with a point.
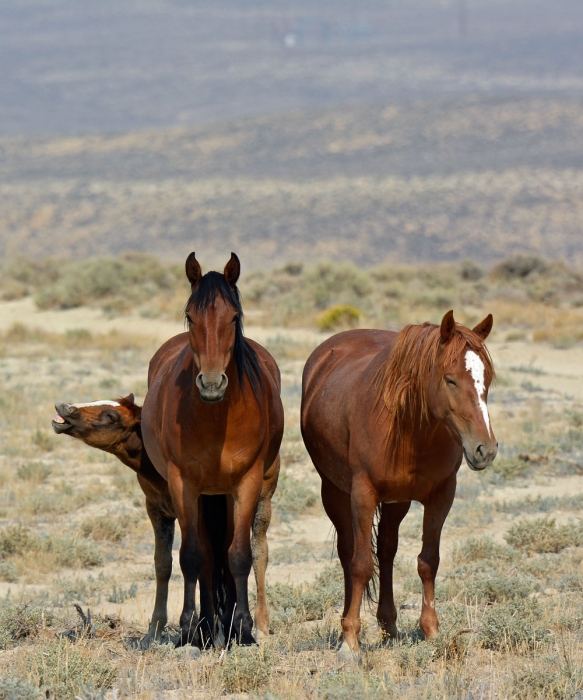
(73, 526)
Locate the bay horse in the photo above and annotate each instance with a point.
(386, 418)
(212, 424)
(114, 426)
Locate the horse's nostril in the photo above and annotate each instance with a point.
(480, 450)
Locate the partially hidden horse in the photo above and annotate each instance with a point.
(386, 418)
(212, 424)
(115, 427)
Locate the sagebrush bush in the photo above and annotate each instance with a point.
(66, 550)
(513, 626)
(544, 535)
(496, 588)
(66, 670)
(17, 689)
(292, 497)
(36, 472)
(247, 668)
(477, 548)
(106, 527)
(290, 603)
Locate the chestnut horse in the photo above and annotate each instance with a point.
(212, 423)
(386, 418)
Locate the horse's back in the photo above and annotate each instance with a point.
(348, 354)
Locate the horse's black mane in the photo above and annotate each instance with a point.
(203, 296)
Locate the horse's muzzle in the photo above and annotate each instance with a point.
(480, 456)
(65, 414)
(212, 388)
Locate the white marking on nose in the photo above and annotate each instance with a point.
(475, 367)
(95, 403)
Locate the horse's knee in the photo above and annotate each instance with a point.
(240, 561)
(427, 567)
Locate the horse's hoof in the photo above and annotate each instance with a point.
(145, 643)
(346, 655)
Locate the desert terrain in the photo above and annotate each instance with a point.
(73, 527)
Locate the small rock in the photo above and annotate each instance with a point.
(550, 591)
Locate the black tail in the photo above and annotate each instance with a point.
(214, 510)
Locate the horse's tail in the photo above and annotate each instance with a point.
(214, 510)
(372, 585)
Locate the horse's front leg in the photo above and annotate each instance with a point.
(240, 556)
(185, 502)
(259, 548)
(363, 502)
(388, 542)
(436, 508)
(163, 540)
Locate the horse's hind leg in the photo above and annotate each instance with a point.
(388, 541)
(260, 549)
(436, 509)
(337, 507)
(163, 540)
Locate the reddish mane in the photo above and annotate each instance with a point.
(402, 377)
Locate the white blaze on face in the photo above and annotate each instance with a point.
(95, 403)
(475, 367)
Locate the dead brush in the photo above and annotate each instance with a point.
(22, 622)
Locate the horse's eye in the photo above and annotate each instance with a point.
(235, 317)
(188, 319)
(450, 381)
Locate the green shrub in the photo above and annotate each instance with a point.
(68, 551)
(475, 549)
(340, 685)
(544, 535)
(339, 317)
(496, 588)
(106, 527)
(307, 601)
(17, 689)
(513, 625)
(547, 683)
(292, 497)
(67, 670)
(247, 668)
(412, 658)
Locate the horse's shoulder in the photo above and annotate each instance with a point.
(167, 351)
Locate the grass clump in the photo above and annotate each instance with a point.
(546, 683)
(66, 671)
(35, 472)
(17, 689)
(475, 549)
(496, 588)
(340, 317)
(22, 622)
(513, 626)
(544, 535)
(247, 668)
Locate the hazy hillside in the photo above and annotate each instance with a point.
(480, 177)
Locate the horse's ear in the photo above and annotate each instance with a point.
(482, 330)
(447, 327)
(129, 398)
(193, 271)
(233, 270)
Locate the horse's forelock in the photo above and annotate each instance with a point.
(402, 379)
